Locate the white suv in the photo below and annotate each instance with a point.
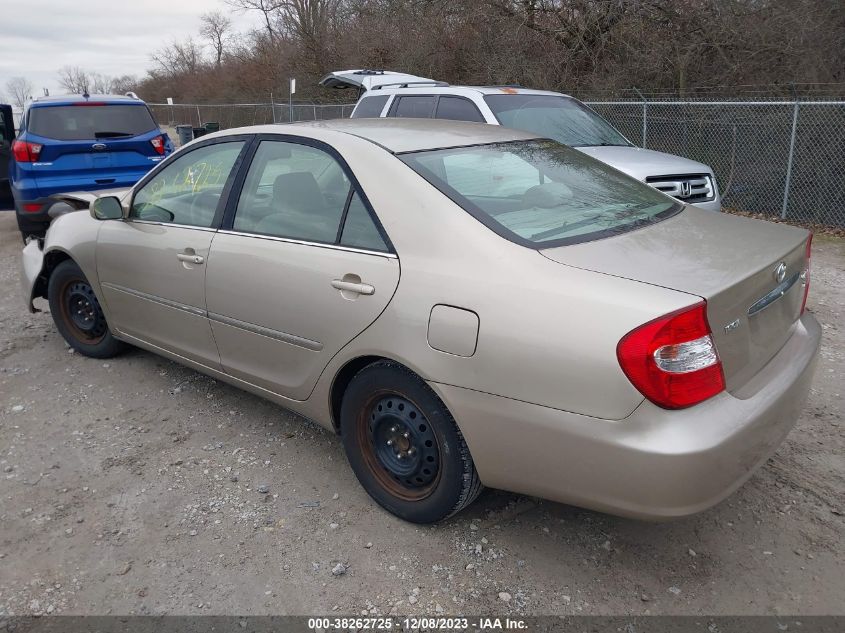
(551, 114)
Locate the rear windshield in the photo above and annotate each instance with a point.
(561, 118)
(87, 122)
(540, 193)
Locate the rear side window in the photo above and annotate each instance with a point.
(541, 193)
(414, 107)
(359, 230)
(458, 109)
(295, 191)
(370, 107)
(90, 122)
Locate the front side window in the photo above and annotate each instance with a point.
(370, 107)
(560, 118)
(90, 121)
(540, 193)
(187, 191)
(301, 192)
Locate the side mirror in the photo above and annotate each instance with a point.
(106, 208)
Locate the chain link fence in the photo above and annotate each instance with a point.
(780, 158)
(229, 115)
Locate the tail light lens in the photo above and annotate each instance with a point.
(158, 144)
(805, 276)
(672, 360)
(25, 152)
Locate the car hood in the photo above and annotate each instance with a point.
(643, 163)
(81, 200)
(87, 197)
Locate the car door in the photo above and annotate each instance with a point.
(301, 267)
(152, 264)
(7, 136)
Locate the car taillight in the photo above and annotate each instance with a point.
(158, 144)
(805, 276)
(32, 207)
(25, 152)
(672, 360)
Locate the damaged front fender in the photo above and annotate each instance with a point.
(32, 263)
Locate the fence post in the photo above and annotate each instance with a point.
(795, 106)
(645, 115)
(199, 116)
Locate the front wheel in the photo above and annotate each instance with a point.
(404, 445)
(77, 313)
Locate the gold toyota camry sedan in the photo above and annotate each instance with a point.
(465, 305)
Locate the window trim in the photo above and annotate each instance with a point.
(247, 140)
(228, 220)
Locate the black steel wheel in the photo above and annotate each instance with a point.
(77, 313)
(400, 446)
(81, 309)
(404, 445)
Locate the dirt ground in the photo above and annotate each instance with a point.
(129, 486)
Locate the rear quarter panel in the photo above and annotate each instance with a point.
(547, 333)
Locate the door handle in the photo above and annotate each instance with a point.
(190, 259)
(351, 286)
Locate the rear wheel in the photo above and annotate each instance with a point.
(404, 445)
(77, 313)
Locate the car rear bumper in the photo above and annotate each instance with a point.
(654, 464)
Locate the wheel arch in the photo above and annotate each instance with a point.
(52, 259)
(341, 381)
(347, 372)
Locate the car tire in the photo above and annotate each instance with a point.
(404, 445)
(77, 313)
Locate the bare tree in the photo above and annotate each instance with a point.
(268, 8)
(123, 84)
(75, 80)
(216, 29)
(178, 58)
(20, 91)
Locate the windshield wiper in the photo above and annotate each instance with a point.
(112, 134)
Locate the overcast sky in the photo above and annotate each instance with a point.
(37, 37)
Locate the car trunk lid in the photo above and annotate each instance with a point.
(364, 79)
(748, 271)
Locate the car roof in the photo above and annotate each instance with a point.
(459, 90)
(397, 135)
(71, 99)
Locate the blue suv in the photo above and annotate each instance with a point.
(80, 143)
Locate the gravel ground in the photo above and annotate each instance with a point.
(131, 486)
